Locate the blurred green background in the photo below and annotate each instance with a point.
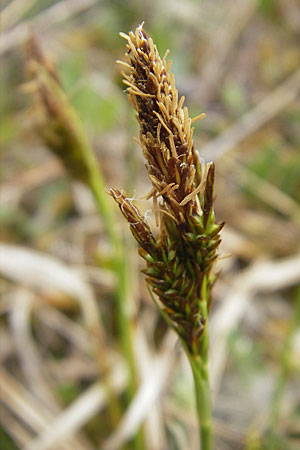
(236, 60)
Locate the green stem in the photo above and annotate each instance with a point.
(97, 186)
(200, 369)
(75, 141)
(203, 401)
(125, 323)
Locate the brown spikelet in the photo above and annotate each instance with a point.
(57, 122)
(139, 228)
(166, 132)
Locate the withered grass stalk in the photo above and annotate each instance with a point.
(180, 258)
(63, 133)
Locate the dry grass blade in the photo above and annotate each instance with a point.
(45, 274)
(31, 363)
(12, 13)
(51, 16)
(291, 12)
(261, 276)
(64, 326)
(78, 413)
(286, 93)
(27, 408)
(6, 342)
(213, 63)
(264, 190)
(14, 428)
(237, 244)
(155, 432)
(147, 395)
(13, 190)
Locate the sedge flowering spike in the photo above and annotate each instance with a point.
(57, 124)
(181, 257)
(166, 132)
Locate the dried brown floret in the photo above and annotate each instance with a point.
(165, 127)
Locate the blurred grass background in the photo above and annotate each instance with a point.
(238, 61)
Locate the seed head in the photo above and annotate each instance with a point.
(180, 258)
(57, 123)
(166, 132)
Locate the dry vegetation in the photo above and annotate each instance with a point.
(65, 383)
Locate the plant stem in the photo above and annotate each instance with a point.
(200, 369)
(125, 324)
(119, 265)
(68, 140)
(203, 401)
(97, 186)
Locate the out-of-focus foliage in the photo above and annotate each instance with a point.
(228, 58)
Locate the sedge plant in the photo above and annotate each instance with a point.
(180, 257)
